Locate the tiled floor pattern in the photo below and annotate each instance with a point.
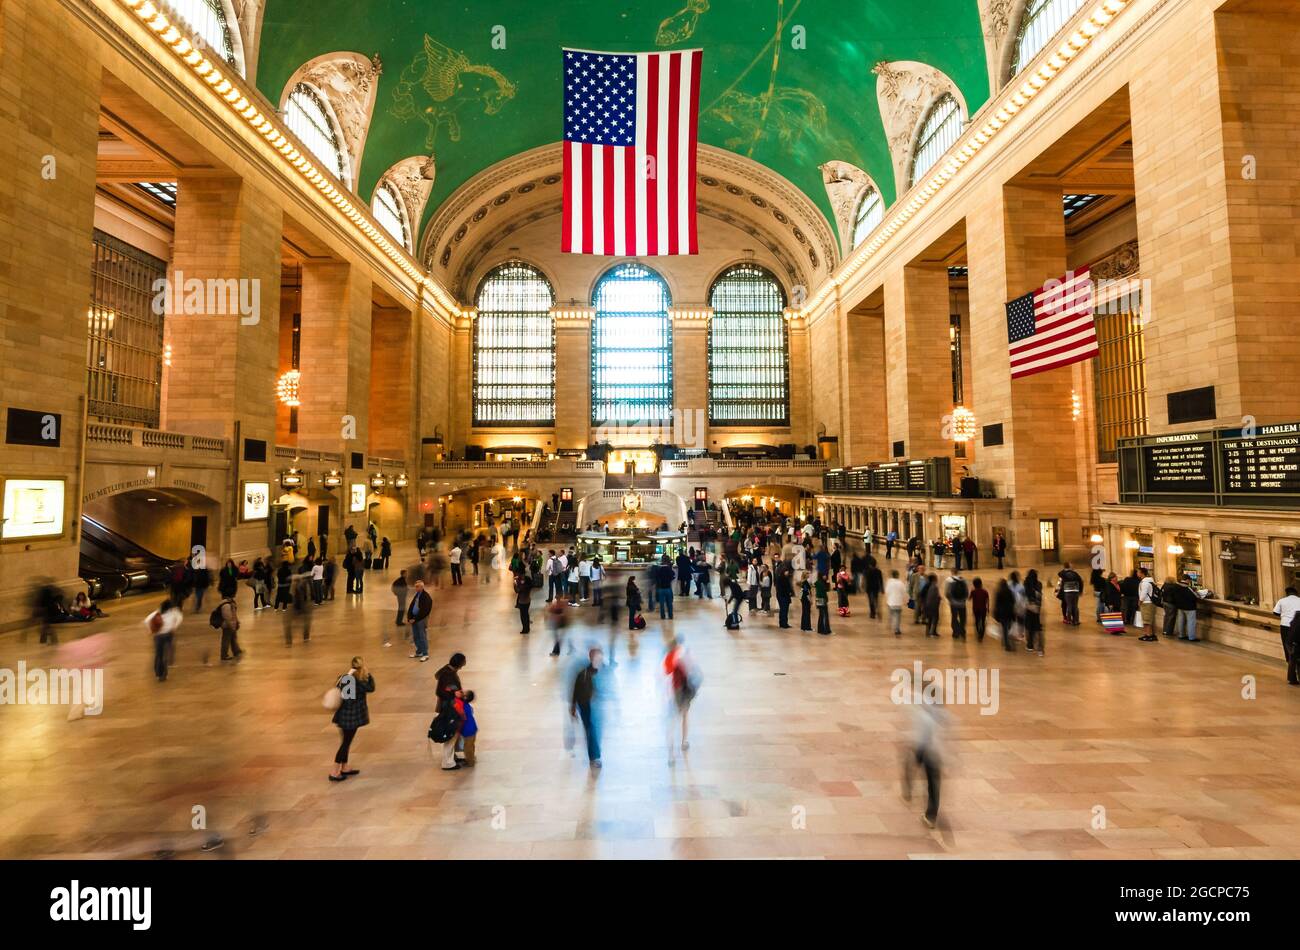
(1105, 748)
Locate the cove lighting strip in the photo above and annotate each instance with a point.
(964, 151)
(174, 36)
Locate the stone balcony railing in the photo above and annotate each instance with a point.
(107, 434)
(557, 468)
(711, 466)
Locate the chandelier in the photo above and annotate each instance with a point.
(963, 424)
(286, 388)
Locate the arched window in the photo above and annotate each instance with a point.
(870, 212)
(631, 347)
(749, 363)
(514, 348)
(1043, 19)
(309, 118)
(939, 131)
(390, 213)
(207, 19)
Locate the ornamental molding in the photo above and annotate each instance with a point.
(350, 83)
(1121, 263)
(845, 185)
(905, 90)
(413, 178)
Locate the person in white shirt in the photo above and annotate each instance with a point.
(163, 624)
(584, 578)
(318, 581)
(453, 557)
(895, 600)
(1147, 606)
(573, 585)
(1287, 610)
(597, 576)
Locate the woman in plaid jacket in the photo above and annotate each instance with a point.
(352, 714)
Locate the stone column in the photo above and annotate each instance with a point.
(863, 367)
(49, 111)
(919, 373)
(336, 362)
(1218, 191)
(1016, 244)
(691, 382)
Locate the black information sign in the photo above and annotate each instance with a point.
(1255, 466)
(1179, 464)
(33, 427)
(932, 477)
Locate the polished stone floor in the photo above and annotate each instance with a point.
(1105, 748)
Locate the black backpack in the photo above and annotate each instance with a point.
(445, 725)
(214, 619)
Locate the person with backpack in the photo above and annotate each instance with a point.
(957, 595)
(684, 683)
(162, 624)
(352, 713)
(226, 619)
(1070, 587)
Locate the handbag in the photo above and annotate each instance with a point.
(333, 698)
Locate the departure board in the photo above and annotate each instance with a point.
(1268, 462)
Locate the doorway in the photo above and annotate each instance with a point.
(1048, 543)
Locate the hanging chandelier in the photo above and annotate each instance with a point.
(286, 388)
(963, 424)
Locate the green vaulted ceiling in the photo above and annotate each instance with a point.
(788, 108)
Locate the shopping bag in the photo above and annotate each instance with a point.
(1112, 620)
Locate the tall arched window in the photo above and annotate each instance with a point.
(1043, 19)
(631, 347)
(514, 348)
(309, 118)
(207, 18)
(749, 362)
(390, 213)
(870, 212)
(939, 131)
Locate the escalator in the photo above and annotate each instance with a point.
(112, 565)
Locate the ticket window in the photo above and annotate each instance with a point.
(1187, 560)
(953, 526)
(1240, 571)
(1291, 566)
(1142, 553)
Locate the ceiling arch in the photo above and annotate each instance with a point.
(784, 82)
(511, 195)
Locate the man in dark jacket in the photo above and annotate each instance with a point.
(1185, 600)
(875, 584)
(1128, 591)
(1071, 587)
(664, 587)
(584, 692)
(784, 593)
(448, 678)
(417, 615)
(523, 600)
(1169, 600)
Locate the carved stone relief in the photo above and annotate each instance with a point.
(905, 91)
(350, 81)
(845, 184)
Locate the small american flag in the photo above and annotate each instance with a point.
(1052, 326)
(630, 125)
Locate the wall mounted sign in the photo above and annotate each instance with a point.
(358, 497)
(33, 427)
(257, 501)
(33, 508)
(1254, 467)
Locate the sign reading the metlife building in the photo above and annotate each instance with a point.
(1258, 466)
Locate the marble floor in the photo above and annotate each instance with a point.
(1105, 748)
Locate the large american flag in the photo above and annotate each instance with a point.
(1053, 325)
(630, 123)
